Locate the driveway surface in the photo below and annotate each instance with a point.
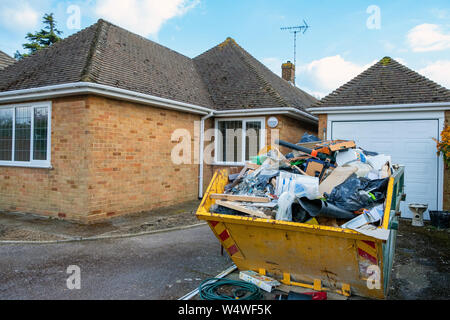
(20, 226)
(169, 265)
(158, 266)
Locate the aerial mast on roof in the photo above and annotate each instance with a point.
(296, 30)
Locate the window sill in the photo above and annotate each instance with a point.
(23, 165)
(229, 164)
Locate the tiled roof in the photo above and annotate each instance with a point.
(63, 62)
(109, 55)
(387, 82)
(236, 80)
(225, 77)
(5, 60)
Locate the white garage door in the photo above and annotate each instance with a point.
(409, 143)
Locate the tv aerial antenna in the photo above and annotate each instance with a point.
(297, 30)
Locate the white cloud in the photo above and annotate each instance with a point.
(320, 77)
(329, 73)
(428, 37)
(438, 71)
(144, 17)
(18, 15)
(441, 13)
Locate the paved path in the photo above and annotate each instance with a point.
(159, 266)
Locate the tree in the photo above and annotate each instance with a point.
(41, 39)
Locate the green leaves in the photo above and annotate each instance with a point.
(41, 39)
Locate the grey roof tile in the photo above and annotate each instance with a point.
(225, 77)
(63, 62)
(236, 80)
(386, 82)
(5, 60)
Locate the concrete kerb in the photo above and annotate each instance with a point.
(129, 235)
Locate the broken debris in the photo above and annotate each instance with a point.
(263, 282)
(329, 183)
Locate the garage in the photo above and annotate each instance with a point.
(410, 143)
(393, 110)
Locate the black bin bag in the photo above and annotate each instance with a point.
(358, 193)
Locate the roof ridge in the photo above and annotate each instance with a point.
(349, 83)
(88, 70)
(5, 55)
(6, 59)
(202, 82)
(32, 70)
(221, 45)
(271, 90)
(427, 81)
(110, 24)
(249, 58)
(267, 88)
(395, 68)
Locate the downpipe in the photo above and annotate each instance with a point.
(201, 151)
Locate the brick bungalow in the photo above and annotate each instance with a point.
(392, 109)
(86, 125)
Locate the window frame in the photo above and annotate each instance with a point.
(32, 163)
(262, 138)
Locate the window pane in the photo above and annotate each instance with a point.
(6, 131)
(23, 134)
(229, 145)
(40, 133)
(252, 139)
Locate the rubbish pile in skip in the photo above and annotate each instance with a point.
(327, 183)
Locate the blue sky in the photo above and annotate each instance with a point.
(339, 45)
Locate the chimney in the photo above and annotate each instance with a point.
(288, 72)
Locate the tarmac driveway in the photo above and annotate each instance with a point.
(169, 265)
(158, 266)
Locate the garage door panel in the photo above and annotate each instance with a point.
(383, 146)
(425, 187)
(417, 167)
(421, 149)
(409, 142)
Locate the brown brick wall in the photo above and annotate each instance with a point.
(447, 173)
(109, 158)
(322, 131)
(291, 130)
(130, 166)
(61, 191)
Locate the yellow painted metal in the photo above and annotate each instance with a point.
(313, 221)
(317, 285)
(311, 256)
(387, 209)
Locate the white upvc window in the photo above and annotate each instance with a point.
(25, 132)
(238, 140)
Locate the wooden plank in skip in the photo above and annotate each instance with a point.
(252, 166)
(237, 207)
(232, 197)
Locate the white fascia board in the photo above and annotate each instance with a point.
(436, 106)
(78, 88)
(292, 112)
